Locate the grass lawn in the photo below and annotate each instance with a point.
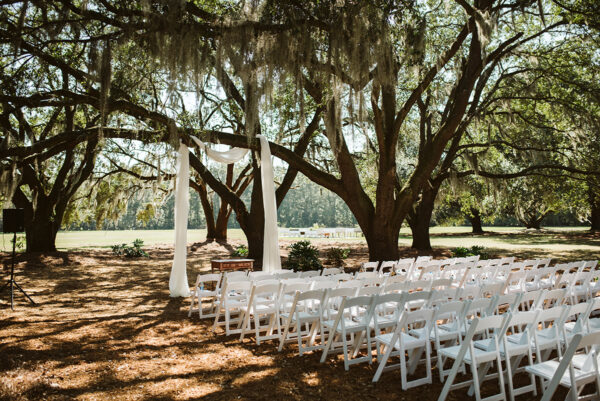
(569, 240)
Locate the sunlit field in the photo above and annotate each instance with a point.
(559, 239)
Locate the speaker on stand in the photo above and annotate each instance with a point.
(13, 221)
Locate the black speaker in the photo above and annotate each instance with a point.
(13, 220)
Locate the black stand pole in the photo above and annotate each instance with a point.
(12, 283)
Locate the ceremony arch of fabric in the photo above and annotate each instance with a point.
(178, 282)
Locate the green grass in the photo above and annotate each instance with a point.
(512, 239)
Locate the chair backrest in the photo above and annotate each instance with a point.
(366, 274)
(387, 309)
(331, 270)
(395, 287)
(342, 277)
(441, 283)
(489, 290)
(286, 275)
(387, 266)
(257, 275)
(232, 289)
(508, 302)
(369, 267)
(371, 290)
(418, 318)
(521, 322)
(291, 288)
(333, 297)
(419, 285)
(412, 298)
(404, 267)
(531, 299)
(350, 284)
(394, 279)
(268, 292)
(469, 292)
(551, 298)
(482, 307)
(430, 270)
(204, 279)
(235, 276)
(451, 314)
(310, 273)
(361, 308)
(324, 284)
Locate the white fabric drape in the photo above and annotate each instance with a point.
(227, 157)
(178, 282)
(271, 258)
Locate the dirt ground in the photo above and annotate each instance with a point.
(105, 328)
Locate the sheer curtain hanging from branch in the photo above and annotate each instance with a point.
(178, 283)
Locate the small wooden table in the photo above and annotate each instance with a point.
(231, 264)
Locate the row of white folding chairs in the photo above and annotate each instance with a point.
(359, 327)
(209, 286)
(553, 329)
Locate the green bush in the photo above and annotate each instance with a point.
(302, 257)
(134, 251)
(240, 251)
(461, 252)
(336, 256)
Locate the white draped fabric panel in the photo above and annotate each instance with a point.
(227, 157)
(271, 258)
(178, 282)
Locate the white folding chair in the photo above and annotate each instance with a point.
(562, 371)
(447, 329)
(404, 340)
(263, 303)
(515, 347)
(207, 286)
(323, 284)
(234, 296)
(547, 333)
(349, 322)
(306, 311)
(486, 354)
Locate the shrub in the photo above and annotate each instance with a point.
(303, 256)
(461, 252)
(134, 251)
(336, 256)
(240, 251)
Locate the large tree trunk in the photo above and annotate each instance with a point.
(40, 235)
(220, 233)
(475, 219)
(382, 243)
(419, 218)
(254, 227)
(595, 209)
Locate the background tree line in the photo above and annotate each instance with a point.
(409, 112)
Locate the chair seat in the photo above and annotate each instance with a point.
(302, 316)
(480, 355)
(206, 294)
(548, 369)
(349, 324)
(408, 341)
